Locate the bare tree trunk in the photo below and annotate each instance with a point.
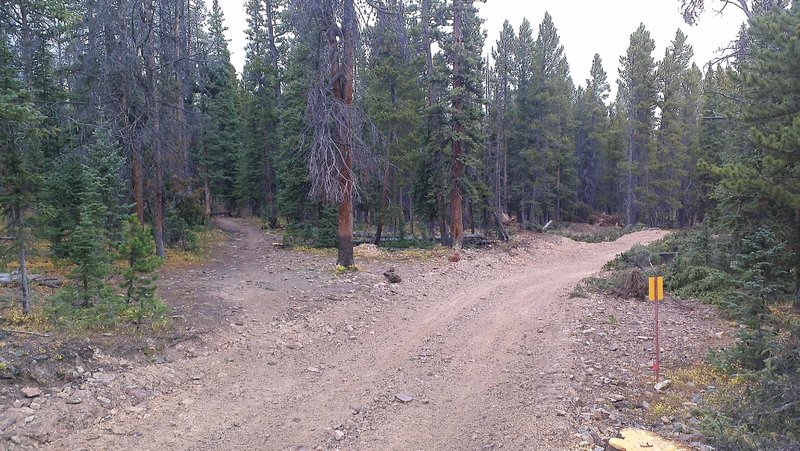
(384, 204)
(23, 279)
(411, 214)
(137, 181)
(629, 180)
(343, 89)
(796, 303)
(158, 193)
(206, 192)
(471, 207)
(273, 49)
(19, 236)
(558, 193)
(426, 38)
(270, 197)
(457, 218)
(153, 119)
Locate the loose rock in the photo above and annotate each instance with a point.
(31, 392)
(663, 385)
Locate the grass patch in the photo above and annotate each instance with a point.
(207, 240)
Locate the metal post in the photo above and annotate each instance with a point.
(657, 365)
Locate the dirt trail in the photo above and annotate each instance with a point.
(302, 358)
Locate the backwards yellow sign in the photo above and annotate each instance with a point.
(656, 292)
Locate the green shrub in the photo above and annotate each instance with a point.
(320, 233)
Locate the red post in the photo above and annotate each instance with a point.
(657, 365)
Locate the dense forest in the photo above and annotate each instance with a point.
(124, 127)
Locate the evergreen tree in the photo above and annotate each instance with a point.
(552, 127)
(501, 105)
(88, 245)
(20, 123)
(255, 175)
(772, 76)
(637, 89)
(463, 52)
(219, 104)
(138, 250)
(672, 171)
(394, 102)
(523, 169)
(592, 135)
(543, 141)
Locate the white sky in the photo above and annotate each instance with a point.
(586, 27)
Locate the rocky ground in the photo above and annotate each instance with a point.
(272, 349)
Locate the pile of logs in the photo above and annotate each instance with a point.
(7, 279)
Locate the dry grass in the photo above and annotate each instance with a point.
(676, 401)
(207, 240)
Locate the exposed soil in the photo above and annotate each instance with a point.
(274, 350)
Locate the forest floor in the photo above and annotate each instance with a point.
(272, 349)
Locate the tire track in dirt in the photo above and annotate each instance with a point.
(485, 355)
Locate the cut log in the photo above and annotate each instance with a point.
(639, 439)
(50, 282)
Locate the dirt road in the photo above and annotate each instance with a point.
(297, 357)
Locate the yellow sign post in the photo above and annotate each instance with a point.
(656, 294)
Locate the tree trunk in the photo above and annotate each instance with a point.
(796, 303)
(206, 192)
(137, 172)
(411, 214)
(273, 49)
(629, 180)
(158, 193)
(343, 89)
(19, 235)
(137, 181)
(445, 238)
(558, 193)
(272, 217)
(153, 120)
(426, 38)
(471, 207)
(457, 217)
(384, 204)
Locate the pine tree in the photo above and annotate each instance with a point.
(88, 245)
(503, 92)
(259, 121)
(772, 76)
(542, 143)
(592, 135)
(138, 250)
(393, 101)
(219, 104)
(552, 126)
(432, 178)
(637, 88)
(20, 123)
(671, 167)
(523, 170)
(463, 52)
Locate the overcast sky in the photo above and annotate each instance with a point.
(586, 27)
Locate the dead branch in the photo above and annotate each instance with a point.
(24, 332)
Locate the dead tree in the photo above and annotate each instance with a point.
(456, 200)
(330, 114)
